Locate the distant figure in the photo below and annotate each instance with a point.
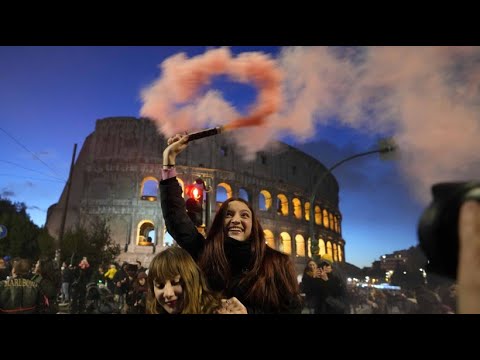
(46, 278)
(84, 263)
(310, 285)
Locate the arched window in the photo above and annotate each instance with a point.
(282, 205)
(307, 211)
(149, 190)
(269, 238)
(264, 200)
(286, 243)
(329, 249)
(146, 233)
(243, 194)
(321, 246)
(224, 192)
(299, 245)
(318, 215)
(297, 208)
(325, 218)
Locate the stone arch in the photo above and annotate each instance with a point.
(307, 211)
(340, 253)
(285, 243)
(335, 254)
(243, 194)
(264, 200)
(149, 188)
(318, 215)
(146, 229)
(299, 245)
(297, 208)
(269, 238)
(329, 248)
(224, 192)
(282, 204)
(321, 247)
(325, 218)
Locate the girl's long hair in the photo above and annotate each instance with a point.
(197, 297)
(271, 277)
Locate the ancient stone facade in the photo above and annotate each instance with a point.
(117, 172)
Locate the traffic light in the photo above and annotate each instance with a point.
(194, 203)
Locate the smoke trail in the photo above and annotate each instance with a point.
(426, 96)
(174, 101)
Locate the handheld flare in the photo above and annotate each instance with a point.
(204, 133)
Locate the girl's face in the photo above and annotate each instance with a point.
(169, 295)
(141, 281)
(238, 221)
(312, 266)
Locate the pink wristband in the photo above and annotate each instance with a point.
(168, 173)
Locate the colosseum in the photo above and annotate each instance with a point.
(117, 171)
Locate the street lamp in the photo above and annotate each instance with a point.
(384, 146)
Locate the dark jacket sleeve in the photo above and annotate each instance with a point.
(177, 221)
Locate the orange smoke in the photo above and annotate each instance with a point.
(176, 102)
(244, 122)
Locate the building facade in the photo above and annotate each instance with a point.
(117, 172)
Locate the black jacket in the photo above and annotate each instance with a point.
(238, 254)
(20, 296)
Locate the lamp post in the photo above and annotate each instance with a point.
(385, 146)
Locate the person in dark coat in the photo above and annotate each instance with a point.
(79, 291)
(234, 255)
(310, 285)
(332, 295)
(48, 280)
(20, 295)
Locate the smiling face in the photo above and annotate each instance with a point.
(169, 295)
(238, 221)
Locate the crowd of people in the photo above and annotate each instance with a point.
(228, 270)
